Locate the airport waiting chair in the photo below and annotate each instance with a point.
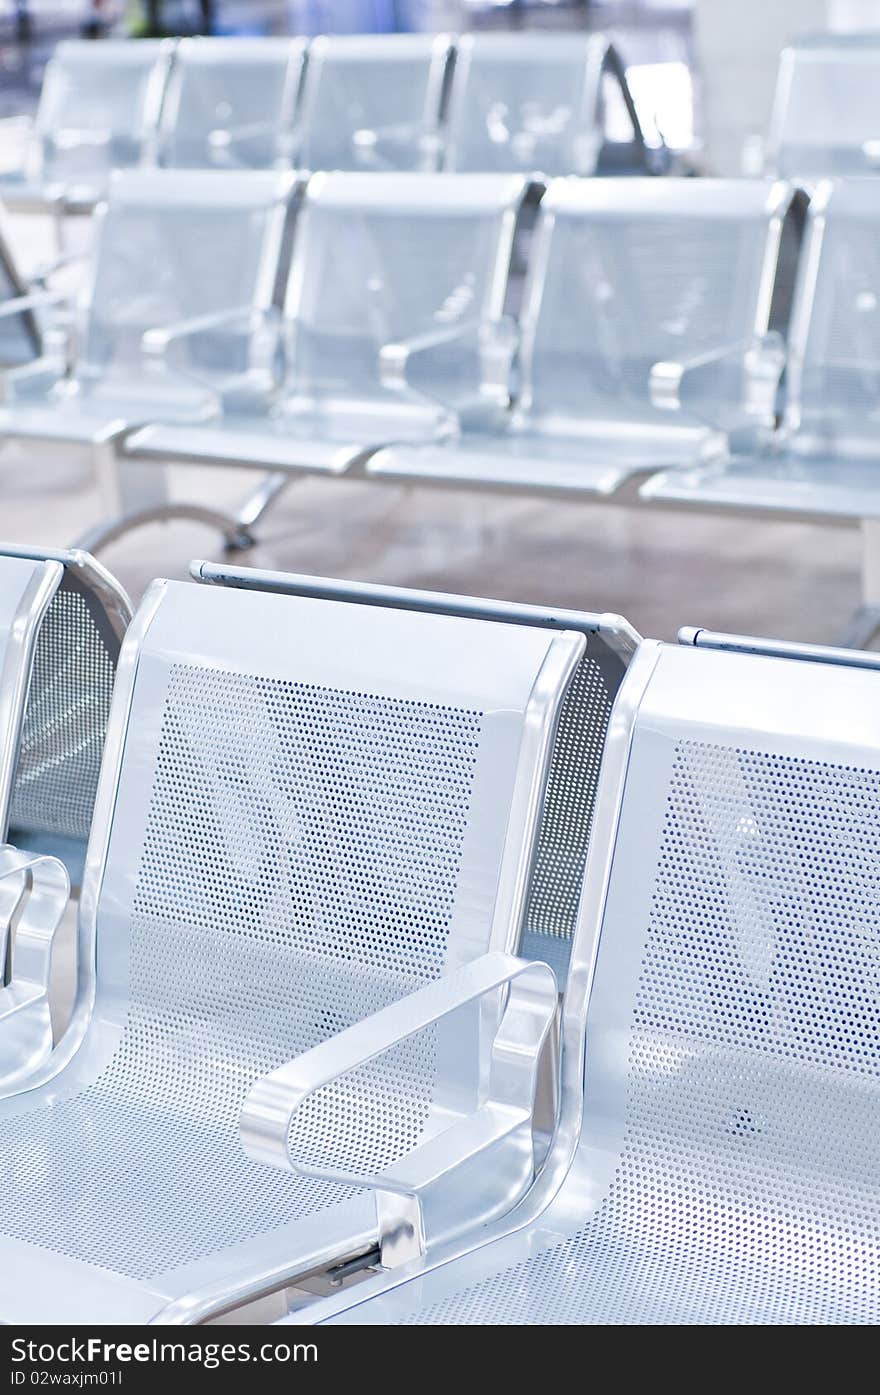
(176, 321)
(824, 120)
(291, 839)
(372, 102)
(395, 328)
(717, 1162)
(63, 621)
(534, 104)
(642, 293)
(230, 104)
(823, 462)
(98, 112)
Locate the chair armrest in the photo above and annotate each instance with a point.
(494, 1140)
(224, 136)
(157, 340)
(34, 893)
(485, 348)
(36, 300)
(676, 386)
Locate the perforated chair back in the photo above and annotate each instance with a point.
(307, 810)
(579, 741)
(386, 259)
(834, 375)
(99, 109)
(170, 248)
(628, 273)
(526, 103)
(19, 334)
(726, 1168)
(230, 103)
(825, 111)
(65, 620)
(372, 102)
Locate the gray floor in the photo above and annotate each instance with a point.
(660, 570)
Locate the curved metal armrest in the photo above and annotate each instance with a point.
(495, 1138)
(37, 300)
(157, 340)
(489, 345)
(676, 385)
(34, 892)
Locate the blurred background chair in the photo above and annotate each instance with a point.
(230, 104)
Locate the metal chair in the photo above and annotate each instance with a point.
(331, 833)
(534, 104)
(99, 111)
(822, 463)
(176, 322)
(643, 294)
(716, 1156)
(63, 621)
(372, 103)
(395, 329)
(824, 115)
(230, 104)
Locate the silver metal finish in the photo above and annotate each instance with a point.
(361, 831)
(725, 1167)
(824, 119)
(33, 898)
(579, 741)
(528, 103)
(230, 103)
(58, 682)
(633, 285)
(779, 648)
(376, 349)
(98, 112)
(371, 103)
(476, 1165)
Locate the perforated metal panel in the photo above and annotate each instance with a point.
(65, 720)
(747, 1185)
(568, 805)
(627, 287)
(298, 872)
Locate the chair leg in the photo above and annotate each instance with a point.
(235, 537)
(262, 498)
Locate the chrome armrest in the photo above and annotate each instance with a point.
(675, 385)
(158, 340)
(489, 345)
(223, 136)
(36, 300)
(472, 1167)
(34, 893)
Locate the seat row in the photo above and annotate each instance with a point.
(554, 103)
(347, 844)
(380, 324)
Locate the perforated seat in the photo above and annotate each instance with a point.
(230, 103)
(395, 326)
(628, 277)
(824, 115)
(98, 112)
(64, 617)
(823, 462)
(288, 837)
(726, 1165)
(532, 104)
(371, 102)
